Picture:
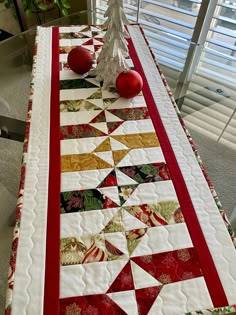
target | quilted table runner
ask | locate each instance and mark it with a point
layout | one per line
(115, 215)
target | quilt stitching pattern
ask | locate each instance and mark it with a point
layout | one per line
(126, 134)
(110, 223)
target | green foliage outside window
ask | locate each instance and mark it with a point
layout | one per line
(31, 6)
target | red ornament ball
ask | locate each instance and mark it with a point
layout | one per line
(129, 83)
(80, 60)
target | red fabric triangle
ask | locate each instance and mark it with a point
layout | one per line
(96, 47)
(172, 266)
(80, 131)
(99, 118)
(109, 203)
(90, 304)
(112, 249)
(99, 39)
(113, 125)
(110, 180)
(124, 280)
(145, 298)
(89, 42)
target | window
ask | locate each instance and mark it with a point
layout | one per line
(219, 53)
(169, 26)
(195, 43)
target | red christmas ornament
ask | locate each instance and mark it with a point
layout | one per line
(129, 83)
(80, 60)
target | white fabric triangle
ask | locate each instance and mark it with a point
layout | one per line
(102, 126)
(69, 74)
(142, 156)
(88, 179)
(78, 118)
(96, 42)
(123, 179)
(120, 103)
(116, 145)
(77, 94)
(100, 277)
(106, 156)
(126, 300)
(72, 29)
(86, 222)
(152, 193)
(142, 279)
(118, 239)
(137, 101)
(97, 53)
(108, 94)
(80, 145)
(100, 35)
(84, 40)
(86, 33)
(175, 293)
(156, 308)
(111, 117)
(112, 193)
(94, 29)
(71, 42)
(89, 47)
(131, 223)
(77, 28)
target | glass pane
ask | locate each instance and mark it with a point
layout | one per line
(177, 15)
(222, 35)
(103, 3)
(229, 13)
(163, 23)
(221, 59)
(131, 2)
(226, 18)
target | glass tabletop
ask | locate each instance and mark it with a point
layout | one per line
(207, 105)
(16, 56)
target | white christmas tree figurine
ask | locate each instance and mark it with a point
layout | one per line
(111, 60)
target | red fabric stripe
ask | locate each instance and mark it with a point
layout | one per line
(208, 267)
(52, 284)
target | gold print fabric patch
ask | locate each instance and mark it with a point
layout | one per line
(82, 162)
(119, 155)
(104, 146)
(134, 141)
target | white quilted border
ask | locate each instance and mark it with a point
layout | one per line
(28, 291)
(212, 225)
